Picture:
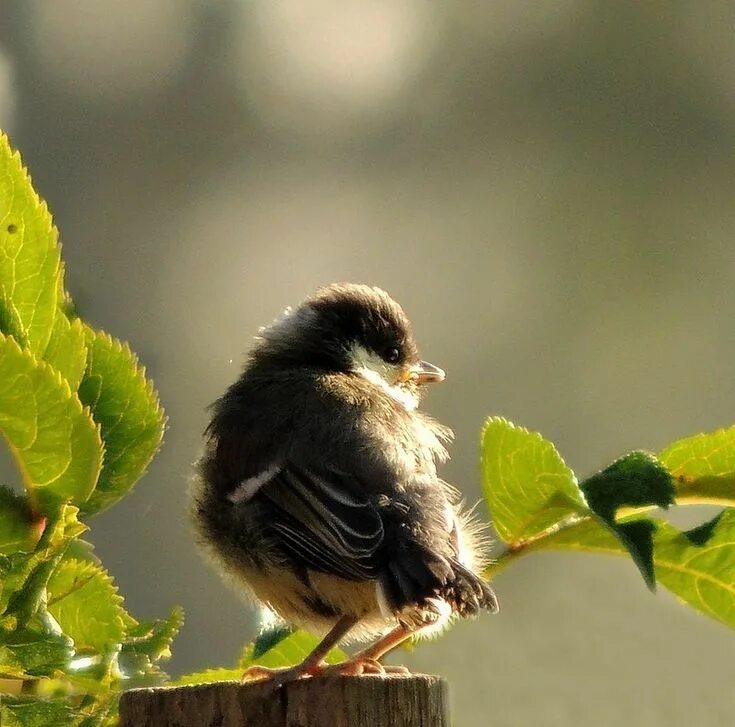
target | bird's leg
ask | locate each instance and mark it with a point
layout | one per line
(367, 661)
(383, 646)
(313, 664)
(386, 643)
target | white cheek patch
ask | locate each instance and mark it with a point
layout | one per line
(247, 488)
(378, 372)
(402, 396)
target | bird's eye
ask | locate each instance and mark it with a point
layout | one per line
(393, 355)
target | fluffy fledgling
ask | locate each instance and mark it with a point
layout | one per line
(318, 489)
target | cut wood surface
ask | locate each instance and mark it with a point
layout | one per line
(415, 700)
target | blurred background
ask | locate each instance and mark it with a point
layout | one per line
(547, 187)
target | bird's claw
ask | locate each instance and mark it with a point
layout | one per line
(397, 669)
(279, 676)
(363, 665)
(259, 673)
(351, 667)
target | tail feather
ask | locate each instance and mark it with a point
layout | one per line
(417, 574)
(471, 593)
(414, 574)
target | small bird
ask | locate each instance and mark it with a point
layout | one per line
(318, 490)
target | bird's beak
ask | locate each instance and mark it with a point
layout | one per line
(425, 373)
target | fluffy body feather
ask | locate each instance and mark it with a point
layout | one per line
(318, 489)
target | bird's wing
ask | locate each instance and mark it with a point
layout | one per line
(325, 520)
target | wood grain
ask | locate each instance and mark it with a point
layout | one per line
(416, 700)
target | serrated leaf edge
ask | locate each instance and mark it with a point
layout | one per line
(490, 421)
(66, 391)
(15, 157)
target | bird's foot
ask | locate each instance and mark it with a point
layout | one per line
(351, 667)
(362, 665)
(280, 675)
(396, 669)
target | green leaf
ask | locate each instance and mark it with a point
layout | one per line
(145, 644)
(24, 576)
(104, 714)
(276, 646)
(269, 638)
(526, 483)
(207, 676)
(636, 480)
(35, 650)
(138, 670)
(699, 565)
(84, 601)
(66, 350)
(10, 323)
(283, 646)
(36, 712)
(82, 550)
(704, 467)
(55, 442)
(125, 405)
(19, 531)
(30, 263)
(588, 534)
(154, 638)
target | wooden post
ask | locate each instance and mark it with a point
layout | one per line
(415, 700)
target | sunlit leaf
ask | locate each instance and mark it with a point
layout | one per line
(82, 550)
(67, 350)
(699, 565)
(54, 440)
(35, 650)
(24, 575)
(526, 484)
(704, 467)
(30, 262)
(63, 629)
(34, 712)
(145, 644)
(275, 646)
(153, 638)
(283, 646)
(24, 711)
(125, 405)
(84, 601)
(208, 676)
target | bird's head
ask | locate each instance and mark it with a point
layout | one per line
(353, 329)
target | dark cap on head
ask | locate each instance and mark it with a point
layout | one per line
(326, 327)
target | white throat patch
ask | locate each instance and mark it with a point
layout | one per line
(378, 372)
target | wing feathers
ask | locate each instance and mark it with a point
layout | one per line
(327, 520)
